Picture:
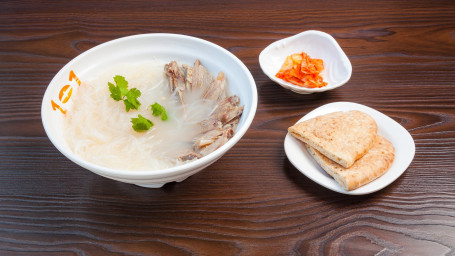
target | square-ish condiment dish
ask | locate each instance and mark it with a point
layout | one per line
(320, 45)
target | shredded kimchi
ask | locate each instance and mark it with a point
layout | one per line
(301, 70)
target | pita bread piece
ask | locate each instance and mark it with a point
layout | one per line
(368, 168)
(343, 137)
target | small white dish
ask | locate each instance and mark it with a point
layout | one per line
(337, 67)
(387, 127)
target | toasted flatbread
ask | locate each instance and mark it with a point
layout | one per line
(343, 137)
(371, 166)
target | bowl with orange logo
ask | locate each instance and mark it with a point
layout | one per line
(59, 100)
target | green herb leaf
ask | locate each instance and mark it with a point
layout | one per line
(141, 123)
(164, 116)
(159, 110)
(121, 83)
(115, 92)
(120, 91)
(131, 97)
(128, 105)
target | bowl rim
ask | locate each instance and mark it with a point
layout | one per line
(176, 170)
(296, 88)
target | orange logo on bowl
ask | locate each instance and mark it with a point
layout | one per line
(65, 93)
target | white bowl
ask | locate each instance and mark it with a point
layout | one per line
(184, 49)
(317, 44)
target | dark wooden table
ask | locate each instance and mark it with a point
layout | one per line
(252, 201)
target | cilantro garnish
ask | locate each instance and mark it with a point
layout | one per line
(120, 91)
(159, 110)
(141, 123)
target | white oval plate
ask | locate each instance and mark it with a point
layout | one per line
(320, 45)
(387, 127)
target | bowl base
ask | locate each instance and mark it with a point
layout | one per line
(157, 185)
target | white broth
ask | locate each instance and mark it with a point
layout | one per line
(99, 129)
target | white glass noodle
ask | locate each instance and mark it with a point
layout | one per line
(99, 129)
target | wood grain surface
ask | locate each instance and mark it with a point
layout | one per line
(252, 201)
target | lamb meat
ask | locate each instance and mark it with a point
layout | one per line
(228, 110)
(189, 156)
(219, 127)
(176, 79)
(201, 78)
(217, 89)
(209, 124)
(212, 141)
(188, 72)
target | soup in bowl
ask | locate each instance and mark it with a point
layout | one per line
(149, 109)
